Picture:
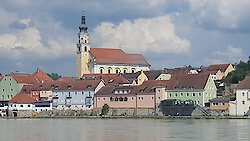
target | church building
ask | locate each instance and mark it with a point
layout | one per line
(105, 60)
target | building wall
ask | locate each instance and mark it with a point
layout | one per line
(101, 100)
(232, 108)
(9, 88)
(120, 67)
(141, 78)
(242, 101)
(229, 69)
(219, 105)
(164, 77)
(77, 97)
(20, 106)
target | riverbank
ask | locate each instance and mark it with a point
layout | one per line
(134, 117)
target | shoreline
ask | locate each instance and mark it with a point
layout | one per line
(131, 117)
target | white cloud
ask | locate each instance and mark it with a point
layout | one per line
(229, 55)
(156, 35)
(27, 44)
(229, 14)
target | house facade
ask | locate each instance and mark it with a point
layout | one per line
(199, 88)
(145, 96)
(243, 97)
(104, 60)
(75, 95)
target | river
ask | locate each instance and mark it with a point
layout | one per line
(124, 130)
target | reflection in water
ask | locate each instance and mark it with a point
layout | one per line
(123, 130)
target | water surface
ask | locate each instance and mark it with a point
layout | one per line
(124, 130)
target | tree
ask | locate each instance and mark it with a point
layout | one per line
(241, 70)
(54, 76)
(105, 109)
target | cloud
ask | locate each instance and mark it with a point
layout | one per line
(229, 55)
(155, 35)
(26, 44)
(228, 14)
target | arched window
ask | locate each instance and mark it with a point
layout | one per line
(117, 70)
(133, 70)
(85, 41)
(101, 70)
(124, 71)
(109, 70)
(85, 48)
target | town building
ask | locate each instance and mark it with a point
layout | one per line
(199, 88)
(109, 79)
(76, 94)
(104, 60)
(243, 97)
(145, 96)
(218, 71)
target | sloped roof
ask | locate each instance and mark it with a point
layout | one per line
(117, 56)
(182, 70)
(23, 78)
(109, 79)
(1, 77)
(66, 79)
(188, 81)
(66, 85)
(244, 84)
(42, 76)
(22, 98)
(145, 88)
(221, 67)
(221, 99)
(153, 74)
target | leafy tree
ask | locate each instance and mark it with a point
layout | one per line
(241, 70)
(105, 109)
(54, 76)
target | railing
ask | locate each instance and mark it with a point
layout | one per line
(203, 110)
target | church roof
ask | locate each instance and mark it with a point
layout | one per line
(117, 56)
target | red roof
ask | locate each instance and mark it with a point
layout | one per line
(42, 76)
(221, 67)
(22, 98)
(117, 56)
(1, 77)
(23, 78)
(66, 79)
(66, 85)
(244, 84)
(109, 79)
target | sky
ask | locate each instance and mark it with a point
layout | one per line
(169, 33)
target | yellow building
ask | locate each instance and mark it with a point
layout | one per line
(105, 60)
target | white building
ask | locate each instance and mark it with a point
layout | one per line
(105, 60)
(243, 97)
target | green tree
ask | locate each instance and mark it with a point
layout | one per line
(241, 70)
(54, 76)
(105, 109)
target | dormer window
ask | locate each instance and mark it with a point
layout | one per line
(89, 86)
(69, 86)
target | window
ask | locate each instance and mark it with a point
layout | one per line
(11, 89)
(116, 71)
(199, 94)
(193, 94)
(85, 48)
(176, 94)
(109, 71)
(21, 105)
(28, 105)
(132, 98)
(243, 102)
(181, 94)
(187, 94)
(104, 99)
(223, 104)
(125, 99)
(101, 71)
(152, 98)
(98, 99)
(133, 70)
(215, 104)
(170, 95)
(159, 98)
(3, 90)
(124, 71)
(243, 94)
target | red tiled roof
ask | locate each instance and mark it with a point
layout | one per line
(23, 78)
(42, 76)
(153, 74)
(188, 81)
(221, 67)
(1, 77)
(109, 79)
(22, 98)
(66, 79)
(117, 56)
(244, 84)
(66, 85)
(183, 70)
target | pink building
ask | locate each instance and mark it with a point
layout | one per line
(145, 96)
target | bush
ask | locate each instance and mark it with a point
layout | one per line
(105, 109)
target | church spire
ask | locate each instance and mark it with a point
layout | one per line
(83, 27)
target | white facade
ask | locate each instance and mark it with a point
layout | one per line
(242, 101)
(20, 106)
(118, 68)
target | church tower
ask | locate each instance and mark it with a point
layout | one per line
(83, 49)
